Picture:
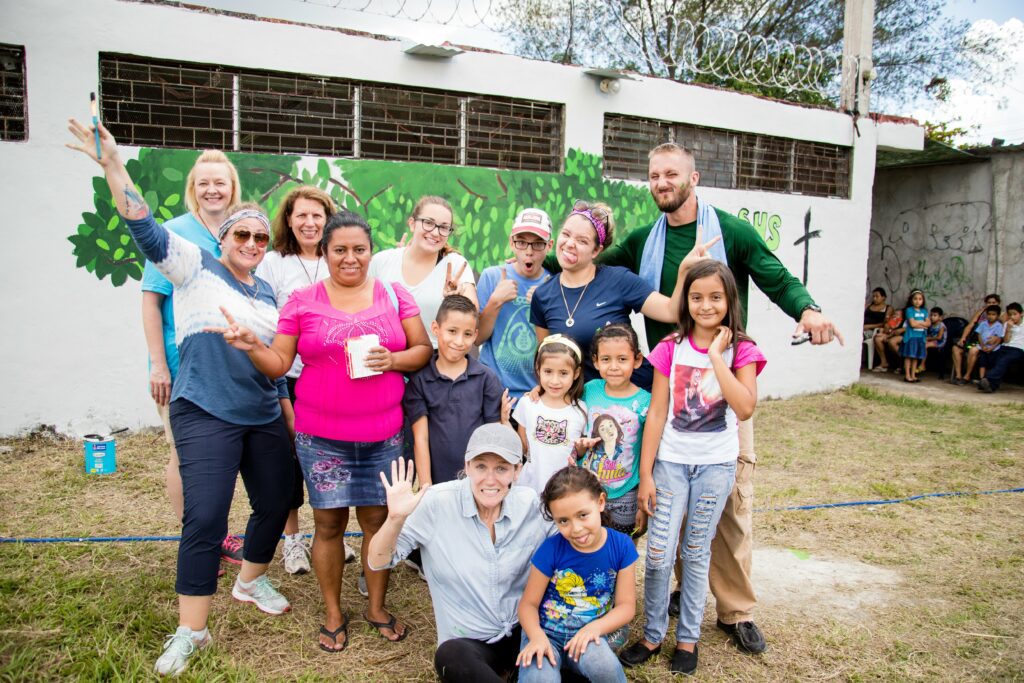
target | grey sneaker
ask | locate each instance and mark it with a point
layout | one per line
(295, 556)
(262, 594)
(617, 638)
(362, 586)
(178, 647)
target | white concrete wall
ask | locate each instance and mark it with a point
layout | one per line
(74, 353)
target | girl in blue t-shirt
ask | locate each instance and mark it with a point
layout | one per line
(913, 347)
(616, 412)
(581, 588)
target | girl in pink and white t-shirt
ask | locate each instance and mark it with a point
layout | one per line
(705, 380)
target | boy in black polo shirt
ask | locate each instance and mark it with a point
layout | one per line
(450, 397)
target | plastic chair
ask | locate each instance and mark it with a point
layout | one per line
(954, 328)
(869, 343)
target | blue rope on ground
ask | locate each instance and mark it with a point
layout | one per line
(350, 534)
(890, 501)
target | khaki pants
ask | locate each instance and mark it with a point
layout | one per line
(732, 548)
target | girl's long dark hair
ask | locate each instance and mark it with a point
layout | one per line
(575, 391)
(567, 481)
(910, 300)
(734, 315)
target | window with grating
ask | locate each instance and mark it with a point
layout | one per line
(13, 93)
(730, 159)
(508, 133)
(177, 104)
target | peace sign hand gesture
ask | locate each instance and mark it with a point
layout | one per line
(236, 336)
(451, 284)
(701, 251)
(401, 499)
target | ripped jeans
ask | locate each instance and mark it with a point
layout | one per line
(699, 493)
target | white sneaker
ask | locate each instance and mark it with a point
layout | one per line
(350, 555)
(295, 555)
(362, 586)
(262, 594)
(178, 647)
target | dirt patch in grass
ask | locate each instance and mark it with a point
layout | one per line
(929, 590)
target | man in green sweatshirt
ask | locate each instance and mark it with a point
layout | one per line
(673, 177)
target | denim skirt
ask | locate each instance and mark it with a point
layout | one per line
(342, 474)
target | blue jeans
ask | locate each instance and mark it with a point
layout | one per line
(1004, 358)
(598, 664)
(698, 493)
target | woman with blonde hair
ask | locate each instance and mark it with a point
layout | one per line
(212, 186)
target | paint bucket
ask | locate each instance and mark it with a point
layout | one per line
(101, 453)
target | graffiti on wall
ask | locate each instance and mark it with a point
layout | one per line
(941, 249)
(485, 201)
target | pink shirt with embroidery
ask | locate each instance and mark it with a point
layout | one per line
(328, 403)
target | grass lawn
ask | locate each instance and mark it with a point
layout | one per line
(932, 589)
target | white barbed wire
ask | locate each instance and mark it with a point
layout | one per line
(474, 14)
(693, 49)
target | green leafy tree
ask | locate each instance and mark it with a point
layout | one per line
(913, 43)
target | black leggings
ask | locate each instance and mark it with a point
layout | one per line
(465, 660)
(211, 454)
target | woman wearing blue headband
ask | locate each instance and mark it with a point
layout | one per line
(225, 414)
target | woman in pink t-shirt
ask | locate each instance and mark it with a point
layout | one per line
(347, 430)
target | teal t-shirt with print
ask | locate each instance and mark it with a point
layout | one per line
(619, 423)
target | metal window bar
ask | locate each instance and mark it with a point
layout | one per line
(13, 94)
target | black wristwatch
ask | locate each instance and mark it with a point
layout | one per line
(811, 307)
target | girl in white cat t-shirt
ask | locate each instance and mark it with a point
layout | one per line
(550, 425)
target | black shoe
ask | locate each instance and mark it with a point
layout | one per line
(637, 653)
(684, 662)
(985, 386)
(673, 604)
(746, 635)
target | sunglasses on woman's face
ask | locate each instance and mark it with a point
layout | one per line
(261, 239)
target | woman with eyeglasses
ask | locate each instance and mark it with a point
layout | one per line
(428, 267)
(226, 415)
(585, 296)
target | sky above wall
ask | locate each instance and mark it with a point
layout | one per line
(996, 114)
(987, 115)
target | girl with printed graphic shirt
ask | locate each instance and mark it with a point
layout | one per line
(688, 458)
(915, 322)
(550, 426)
(616, 412)
(581, 589)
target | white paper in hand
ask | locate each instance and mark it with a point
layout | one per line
(356, 349)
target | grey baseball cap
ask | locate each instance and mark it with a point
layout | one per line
(495, 438)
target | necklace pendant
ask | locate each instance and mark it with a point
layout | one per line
(569, 322)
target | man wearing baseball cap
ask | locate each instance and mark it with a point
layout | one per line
(507, 340)
(476, 535)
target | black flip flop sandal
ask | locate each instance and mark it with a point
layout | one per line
(389, 624)
(333, 635)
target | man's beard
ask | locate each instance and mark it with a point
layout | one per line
(674, 201)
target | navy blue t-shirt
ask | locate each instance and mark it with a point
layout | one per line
(611, 296)
(582, 585)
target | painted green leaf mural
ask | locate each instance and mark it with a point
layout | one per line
(485, 200)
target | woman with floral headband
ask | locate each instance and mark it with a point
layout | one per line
(585, 297)
(226, 415)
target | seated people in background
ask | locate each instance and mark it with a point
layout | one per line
(892, 334)
(990, 338)
(876, 312)
(507, 340)
(451, 396)
(936, 334)
(1011, 352)
(967, 342)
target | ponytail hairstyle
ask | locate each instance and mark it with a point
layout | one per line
(555, 345)
(570, 480)
(733, 317)
(428, 200)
